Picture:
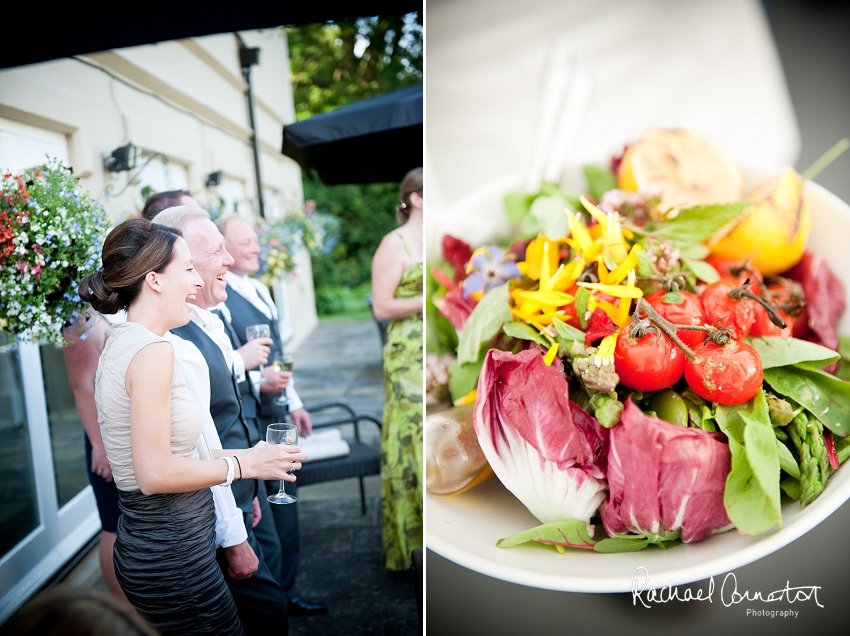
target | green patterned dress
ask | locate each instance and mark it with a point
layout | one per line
(401, 443)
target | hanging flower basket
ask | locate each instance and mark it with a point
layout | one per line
(281, 239)
(51, 235)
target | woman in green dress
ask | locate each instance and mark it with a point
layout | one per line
(397, 297)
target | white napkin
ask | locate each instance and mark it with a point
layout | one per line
(324, 444)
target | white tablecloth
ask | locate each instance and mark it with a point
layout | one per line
(710, 65)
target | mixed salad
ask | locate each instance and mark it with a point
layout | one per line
(646, 362)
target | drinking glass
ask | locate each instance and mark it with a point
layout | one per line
(252, 332)
(280, 433)
(282, 362)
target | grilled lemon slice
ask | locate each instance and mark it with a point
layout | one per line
(687, 168)
(774, 230)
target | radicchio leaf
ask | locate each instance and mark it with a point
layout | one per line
(664, 478)
(825, 302)
(457, 253)
(457, 308)
(546, 450)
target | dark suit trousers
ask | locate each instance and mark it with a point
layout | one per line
(286, 525)
(260, 601)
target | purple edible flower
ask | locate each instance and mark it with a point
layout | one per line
(489, 267)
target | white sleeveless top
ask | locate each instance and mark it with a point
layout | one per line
(113, 403)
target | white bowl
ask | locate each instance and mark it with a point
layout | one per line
(464, 528)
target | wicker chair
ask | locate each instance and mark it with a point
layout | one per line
(363, 459)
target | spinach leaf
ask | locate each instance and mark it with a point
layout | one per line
(567, 334)
(776, 351)
(645, 267)
(826, 397)
(484, 323)
(635, 542)
(702, 270)
(517, 205)
(441, 334)
(582, 298)
(569, 533)
(551, 217)
(697, 251)
(843, 371)
(791, 487)
(752, 497)
(464, 377)
(599, 180)
(787, 461)
(572, 199)
(617, 544)
(696, 224)
(522, 331)
(700, 413)
(673, 298)
(842, 449)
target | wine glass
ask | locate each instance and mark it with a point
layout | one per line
(252, 332)
(280, 433)
(282, 362)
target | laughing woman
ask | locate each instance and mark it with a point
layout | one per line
(164, 552)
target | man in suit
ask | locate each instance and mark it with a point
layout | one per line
(159, 201)
(248, 303)
(259, 598)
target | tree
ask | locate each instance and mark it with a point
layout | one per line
(335, 64)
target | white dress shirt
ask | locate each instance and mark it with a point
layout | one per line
(258, 295)
(214, 328)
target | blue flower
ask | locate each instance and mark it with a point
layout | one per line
(489, 267)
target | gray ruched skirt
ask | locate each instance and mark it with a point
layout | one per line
(165, 561)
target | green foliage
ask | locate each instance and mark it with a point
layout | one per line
(337, 64)
(365, 214)
(342, 300)
(334, 65)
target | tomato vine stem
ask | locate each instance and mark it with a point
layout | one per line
(719, 336)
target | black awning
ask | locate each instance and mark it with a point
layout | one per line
(74, 28)
(371, 141)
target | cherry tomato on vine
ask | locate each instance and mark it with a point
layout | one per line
(724, 267)
(801, 328)
(721, 311)
(649, 363)
(686, 312)
(728, 375)
(763, 326)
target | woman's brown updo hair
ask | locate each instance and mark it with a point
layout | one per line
(131, 250)
(411, 183)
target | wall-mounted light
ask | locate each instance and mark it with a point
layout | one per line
(213, 178)
(249, 56)
(121, 159)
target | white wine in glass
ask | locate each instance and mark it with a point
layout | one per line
(252, 332)
(280, 433)
(282, 362)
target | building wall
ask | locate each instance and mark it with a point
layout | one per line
(185, 100)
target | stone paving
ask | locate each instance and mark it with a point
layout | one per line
(340, 548)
